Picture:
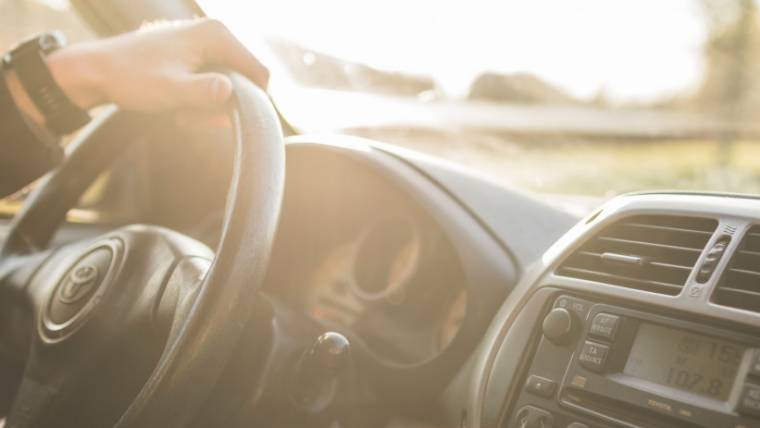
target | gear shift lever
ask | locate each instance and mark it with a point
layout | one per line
(313, 381)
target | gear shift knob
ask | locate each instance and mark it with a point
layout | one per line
(319, 365)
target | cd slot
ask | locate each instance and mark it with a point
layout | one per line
(619, 412)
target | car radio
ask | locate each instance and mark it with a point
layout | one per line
(599, 365)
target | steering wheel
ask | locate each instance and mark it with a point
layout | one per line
(134, 328)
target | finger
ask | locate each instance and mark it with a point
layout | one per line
(204, 90)
(226, 50)
(197, 119)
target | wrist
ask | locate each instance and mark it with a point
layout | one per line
(78, 72)
(21, 98)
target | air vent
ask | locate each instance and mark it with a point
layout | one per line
(648, 252)
(740, 285)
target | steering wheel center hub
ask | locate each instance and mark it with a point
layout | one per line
(80, 290)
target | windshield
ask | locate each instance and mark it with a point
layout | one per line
(586, 97)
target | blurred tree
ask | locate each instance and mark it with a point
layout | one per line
(731, 86)
(523, 88)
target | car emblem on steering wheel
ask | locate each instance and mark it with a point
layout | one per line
(80, 290)
(79, 283)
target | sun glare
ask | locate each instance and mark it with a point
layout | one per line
(629, 50)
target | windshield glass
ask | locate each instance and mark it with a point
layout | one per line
(586, 97)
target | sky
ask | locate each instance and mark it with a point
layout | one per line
(634, 51)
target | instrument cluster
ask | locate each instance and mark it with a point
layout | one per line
(394, 285)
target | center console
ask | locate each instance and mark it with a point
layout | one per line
(599, 364)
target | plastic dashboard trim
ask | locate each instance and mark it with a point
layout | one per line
(738, 213)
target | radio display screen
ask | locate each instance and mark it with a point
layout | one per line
(686, 361)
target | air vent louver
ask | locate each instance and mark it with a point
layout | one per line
(740, 285)
(648, 252)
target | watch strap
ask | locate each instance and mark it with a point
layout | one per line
(28, 60)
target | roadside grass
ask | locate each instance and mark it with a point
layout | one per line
(572, 165)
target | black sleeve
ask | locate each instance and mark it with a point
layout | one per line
(27, 150)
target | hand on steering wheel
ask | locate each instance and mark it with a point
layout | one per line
(153, 69)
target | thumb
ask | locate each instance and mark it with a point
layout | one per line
(205, 90)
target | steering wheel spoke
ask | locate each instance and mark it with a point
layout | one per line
(32, 400)
(179, 294)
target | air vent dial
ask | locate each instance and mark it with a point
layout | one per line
(740, 285)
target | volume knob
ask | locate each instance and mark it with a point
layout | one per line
(558, 326)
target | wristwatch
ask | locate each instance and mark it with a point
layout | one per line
(28, 60)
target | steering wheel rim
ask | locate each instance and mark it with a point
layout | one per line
(209, 315)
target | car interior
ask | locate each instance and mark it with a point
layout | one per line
(253, 276)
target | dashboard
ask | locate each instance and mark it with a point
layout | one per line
(646, 313)
(471, 303)
(623, 319)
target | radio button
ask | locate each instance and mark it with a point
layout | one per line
(540, 386)
(558, 326)
(749, 403)
(604, 326)
(593, 356)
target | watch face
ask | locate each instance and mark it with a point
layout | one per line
(46, 42)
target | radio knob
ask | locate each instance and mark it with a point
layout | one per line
(558, 326)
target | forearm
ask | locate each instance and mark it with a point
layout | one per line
(27, 150)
